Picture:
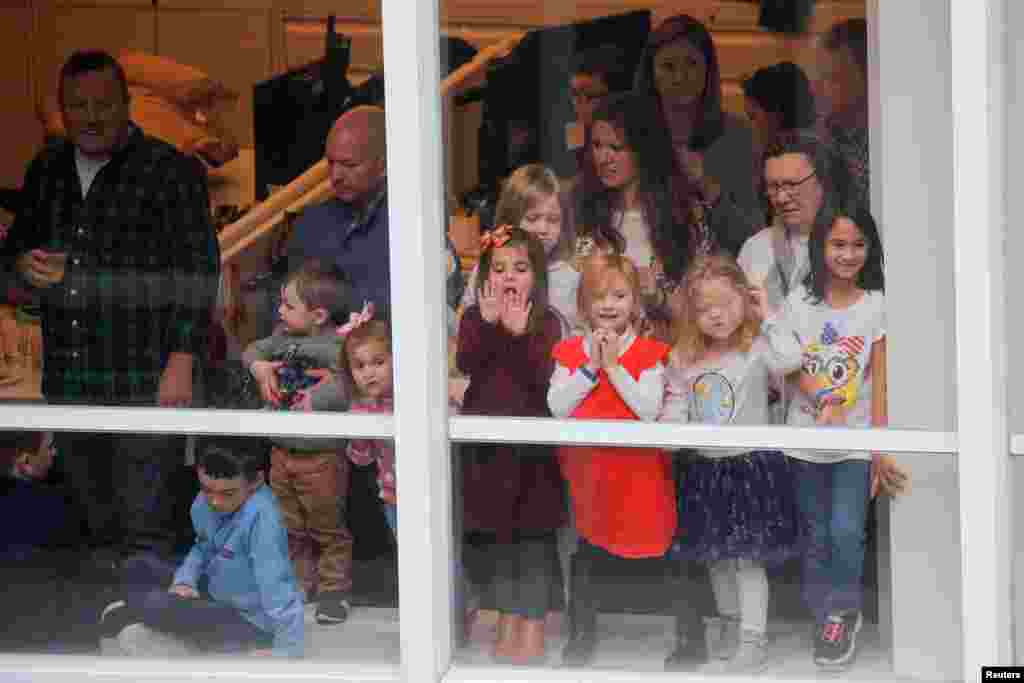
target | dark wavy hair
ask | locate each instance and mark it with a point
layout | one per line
(710, 120)
(783, 89)
(227, 457)
(538, 261)
(871, 277)
(666, 195)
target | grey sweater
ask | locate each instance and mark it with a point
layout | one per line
(322, 351)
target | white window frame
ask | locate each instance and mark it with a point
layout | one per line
(422, 431)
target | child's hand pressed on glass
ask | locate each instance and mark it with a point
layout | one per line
(887, 477)
(515, 313)
(490, 302)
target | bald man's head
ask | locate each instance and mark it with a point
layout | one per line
(356, 153)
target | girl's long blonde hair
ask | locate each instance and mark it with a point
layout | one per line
(527, 186)
(689, 342)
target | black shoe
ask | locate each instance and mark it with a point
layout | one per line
(836, 643)
(332, 610)
(582, 616)
(691, 650)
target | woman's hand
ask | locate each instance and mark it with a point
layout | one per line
(490, 303)
(515, 314)
(265, 372)
(887, 477)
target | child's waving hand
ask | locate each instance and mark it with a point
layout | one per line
(515, 314)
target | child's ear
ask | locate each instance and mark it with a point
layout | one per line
(321, 316)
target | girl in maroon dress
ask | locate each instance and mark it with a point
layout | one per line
(512, 494)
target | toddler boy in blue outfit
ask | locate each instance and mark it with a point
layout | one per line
(236, 590)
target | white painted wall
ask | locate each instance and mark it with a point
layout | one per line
(912, 185)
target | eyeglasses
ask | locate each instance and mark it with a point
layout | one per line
(787, 186)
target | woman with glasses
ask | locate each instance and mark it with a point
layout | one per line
(680, 68)
(802, 177)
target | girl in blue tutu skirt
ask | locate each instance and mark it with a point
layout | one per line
(737, 508)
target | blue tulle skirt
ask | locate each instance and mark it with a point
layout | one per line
(743, 506)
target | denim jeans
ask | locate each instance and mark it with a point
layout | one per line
(834, 497)
(391, 515)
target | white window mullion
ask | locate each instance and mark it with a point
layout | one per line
(412, 78)
(978, 56)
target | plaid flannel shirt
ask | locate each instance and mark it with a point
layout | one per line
(142, 269)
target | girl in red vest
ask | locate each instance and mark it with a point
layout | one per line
(513, 502)
(623, 498)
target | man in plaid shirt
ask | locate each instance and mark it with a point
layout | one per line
(114, 233)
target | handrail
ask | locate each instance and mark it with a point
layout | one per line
(313, 185)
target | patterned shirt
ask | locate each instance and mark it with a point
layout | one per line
(141, 274)
(381, 451)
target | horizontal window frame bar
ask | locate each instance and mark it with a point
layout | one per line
(664, 435)
(1017, 444)
(144, 420)
(248, 669)
(193, 421)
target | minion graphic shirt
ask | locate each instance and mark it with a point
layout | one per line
(836, 352)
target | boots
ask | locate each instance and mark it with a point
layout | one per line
(532, 647)
(579, 650)
(691, 648)
(509, 642)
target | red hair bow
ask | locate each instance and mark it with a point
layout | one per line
(498, 237)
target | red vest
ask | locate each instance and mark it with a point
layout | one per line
(624, 498)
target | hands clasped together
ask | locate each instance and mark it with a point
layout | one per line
(510, 309)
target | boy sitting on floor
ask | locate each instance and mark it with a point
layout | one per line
(236, 590)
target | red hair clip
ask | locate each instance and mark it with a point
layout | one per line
(498, 237)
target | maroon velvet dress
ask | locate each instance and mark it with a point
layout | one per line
(509, 489)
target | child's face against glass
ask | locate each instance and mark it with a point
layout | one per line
(846, 251)
(512, 272)
(613, 158)
(226, 495)
(297, 317)
(543, 220)
(371, 369)
(613, 308)
(719, 308)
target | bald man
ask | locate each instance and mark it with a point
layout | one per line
(351, 229)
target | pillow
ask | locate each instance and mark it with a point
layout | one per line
(188, 87)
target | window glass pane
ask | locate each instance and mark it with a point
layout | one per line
(773, 138)
(647, 560)
(188, 557)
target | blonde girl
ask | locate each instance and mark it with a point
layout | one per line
(738, 506)
(532, 199)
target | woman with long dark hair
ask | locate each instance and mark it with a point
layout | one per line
(635, 199)
(680, 69)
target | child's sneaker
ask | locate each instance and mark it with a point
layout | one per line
(332, 609)
(836, 643)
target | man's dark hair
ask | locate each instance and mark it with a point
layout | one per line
(783, 89)
(227, 457)
(607, 62)
(853, 35)
(85, 61)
